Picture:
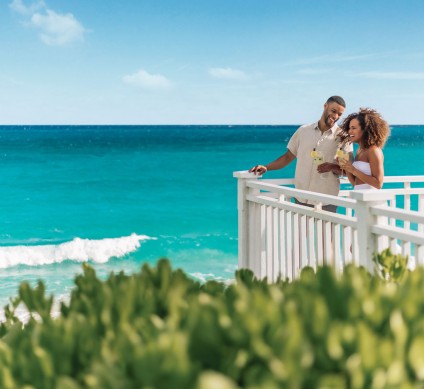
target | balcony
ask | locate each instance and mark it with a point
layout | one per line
(277, 237)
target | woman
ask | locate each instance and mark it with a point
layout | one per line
(370, 131)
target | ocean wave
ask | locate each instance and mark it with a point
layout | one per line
(24, 315)
(205, 277)
(78, 249)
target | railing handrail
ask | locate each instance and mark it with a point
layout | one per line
(333, 217)
(304, 194)
(387, 179)
(273, 229)
(406, 215)
(399, 233)
(277, 186)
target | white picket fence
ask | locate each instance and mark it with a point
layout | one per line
(278, 237)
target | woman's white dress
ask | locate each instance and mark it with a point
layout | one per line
(365, 168)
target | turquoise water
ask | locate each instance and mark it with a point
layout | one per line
(120, 196)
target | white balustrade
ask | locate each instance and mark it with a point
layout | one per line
(277, 237)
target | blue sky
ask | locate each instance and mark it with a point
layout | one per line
(208, 62)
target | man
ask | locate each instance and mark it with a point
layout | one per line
(312, 140)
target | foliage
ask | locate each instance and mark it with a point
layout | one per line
(390, 267)
(160, 329)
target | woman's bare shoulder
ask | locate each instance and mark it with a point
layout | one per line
(374, 152)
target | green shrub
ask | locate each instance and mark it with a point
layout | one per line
(389, 266)
(160, 329)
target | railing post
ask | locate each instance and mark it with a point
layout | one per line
(367, 242)
(243, 218)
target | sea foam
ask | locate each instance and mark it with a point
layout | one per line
(78, 249)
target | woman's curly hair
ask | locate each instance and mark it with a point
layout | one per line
(375, 129)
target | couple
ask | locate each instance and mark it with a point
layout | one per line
(324, 139)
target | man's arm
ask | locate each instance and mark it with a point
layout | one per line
(279, 163)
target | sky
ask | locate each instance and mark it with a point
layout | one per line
(208, 61)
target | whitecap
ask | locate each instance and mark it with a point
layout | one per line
(78, 249)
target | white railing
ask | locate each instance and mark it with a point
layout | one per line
(278, 237)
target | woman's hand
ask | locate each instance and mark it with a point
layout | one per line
(347, 166)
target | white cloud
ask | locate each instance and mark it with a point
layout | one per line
(19, 7)
(228, 74)
(145, 80)
(393, 75)
(54, 29)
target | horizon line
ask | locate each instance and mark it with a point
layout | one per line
(175, 124)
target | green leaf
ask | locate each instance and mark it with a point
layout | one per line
(416, 356)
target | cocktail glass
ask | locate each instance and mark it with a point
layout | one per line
(342, 157)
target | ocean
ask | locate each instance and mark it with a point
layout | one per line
(122, 196)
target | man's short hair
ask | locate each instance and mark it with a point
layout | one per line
(337, 99)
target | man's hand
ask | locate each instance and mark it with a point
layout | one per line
(328, 167)
(258, 169)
